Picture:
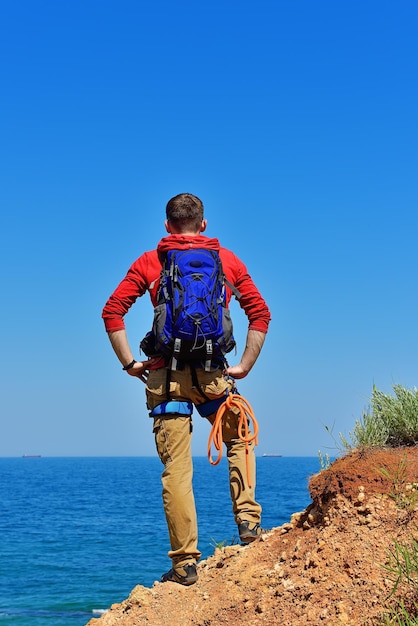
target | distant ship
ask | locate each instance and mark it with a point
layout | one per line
(267, 454)
(31, 456)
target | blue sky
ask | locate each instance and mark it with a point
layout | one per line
(295, 122)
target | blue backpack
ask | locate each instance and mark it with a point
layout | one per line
(191, 321)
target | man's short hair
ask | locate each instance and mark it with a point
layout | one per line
(185, 212)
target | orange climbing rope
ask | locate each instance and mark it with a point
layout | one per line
(246, 416)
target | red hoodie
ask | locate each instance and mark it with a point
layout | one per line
(144, 275)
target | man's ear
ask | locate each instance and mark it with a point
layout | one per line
(167, 226)
(203, 226)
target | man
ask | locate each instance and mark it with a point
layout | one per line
(191, 383)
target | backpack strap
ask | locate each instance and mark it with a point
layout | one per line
(167, 384)
(232, 287)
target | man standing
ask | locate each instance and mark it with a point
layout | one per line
(171, 393)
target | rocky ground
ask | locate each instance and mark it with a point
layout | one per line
(326, 566)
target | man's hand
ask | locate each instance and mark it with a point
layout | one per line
(141, 369)
(236, 371)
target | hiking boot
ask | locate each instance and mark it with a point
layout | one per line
(249, 531)
(184, 575)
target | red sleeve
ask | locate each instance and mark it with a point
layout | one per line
(251, 300)
(142, 276)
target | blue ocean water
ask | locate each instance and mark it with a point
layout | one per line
(77, 534)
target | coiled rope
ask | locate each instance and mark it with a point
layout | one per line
(246, 417)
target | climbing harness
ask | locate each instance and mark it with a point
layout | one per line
(232, 399)
(172, 407)
(246, 415)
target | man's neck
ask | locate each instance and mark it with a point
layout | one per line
(186, 234)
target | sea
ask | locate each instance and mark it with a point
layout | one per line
(78, 534)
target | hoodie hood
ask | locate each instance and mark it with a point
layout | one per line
(185, 242)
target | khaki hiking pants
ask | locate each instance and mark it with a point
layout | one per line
(173, 441)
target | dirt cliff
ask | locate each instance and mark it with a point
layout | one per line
(325, 566)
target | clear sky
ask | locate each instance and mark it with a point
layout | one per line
(295, 122)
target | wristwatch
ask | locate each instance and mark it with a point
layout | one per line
(129, 366)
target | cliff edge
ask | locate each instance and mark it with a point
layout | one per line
(326, 566)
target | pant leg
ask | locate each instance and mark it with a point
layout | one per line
(173, 442)
(244, 505)
(173, 439)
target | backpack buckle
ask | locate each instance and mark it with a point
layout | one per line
(176, 352)
(209, 355)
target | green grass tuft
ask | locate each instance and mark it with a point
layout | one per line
(389, 421)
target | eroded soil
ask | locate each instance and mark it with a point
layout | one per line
(327, 565)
